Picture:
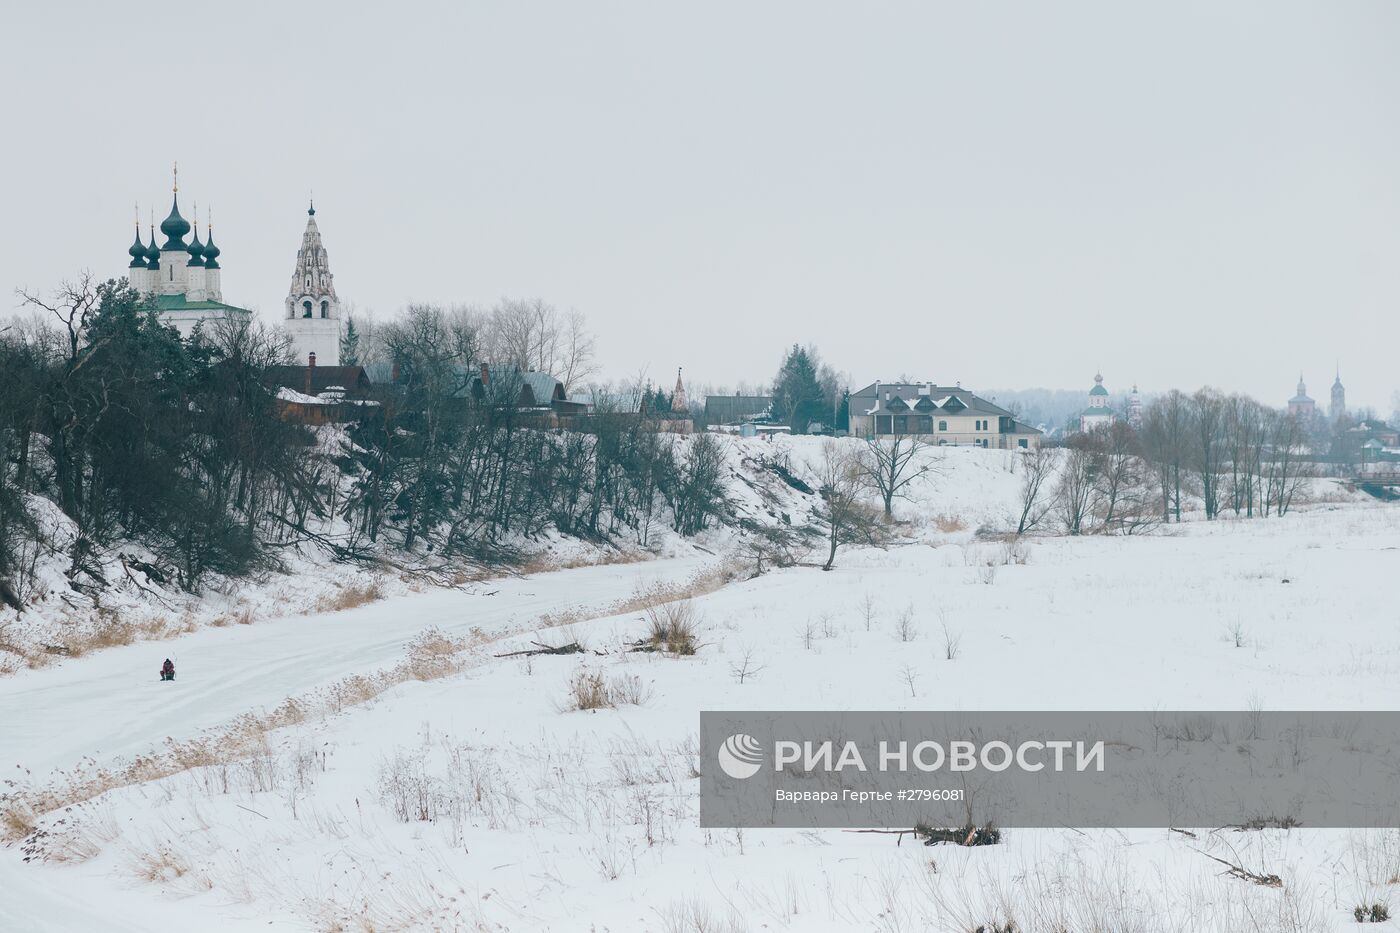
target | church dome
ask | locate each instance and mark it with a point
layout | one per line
(153, 252)
(137, 252)
(196, 250)
(174, 227)
(211, 252)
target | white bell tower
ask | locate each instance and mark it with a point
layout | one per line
(313, 310)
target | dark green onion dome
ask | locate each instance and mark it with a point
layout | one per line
(174, 227)
(211, 252)
(196, 250)
(137, 252)
(153, 251)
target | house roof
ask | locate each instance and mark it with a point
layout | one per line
(537, 389)
(731, 409)
(349, 378)
(866, 401)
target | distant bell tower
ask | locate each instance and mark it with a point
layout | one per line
(1338, 408)
(679, 403)
(313, 310)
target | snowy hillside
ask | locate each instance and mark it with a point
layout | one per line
(404, 765)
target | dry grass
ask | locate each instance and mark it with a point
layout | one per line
(948, 523)
(17, 819)
(544, 563)
(158, 865)
(590, 690)
(672, 627)
(352, 596)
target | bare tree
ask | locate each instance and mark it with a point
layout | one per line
(889, 466)
(576, 363)
(1037, 466)
(73, 304)
(533, 335)
(840, 482)
(1208, 448)
(1076, 492)
(1285, 469)
(1166, 424)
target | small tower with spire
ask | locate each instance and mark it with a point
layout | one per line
(1338, 409)
(313, 310)
(679, 403)
(1135, 408)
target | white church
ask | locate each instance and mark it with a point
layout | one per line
(185, 279)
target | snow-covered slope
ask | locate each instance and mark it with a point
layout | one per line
(542, 818)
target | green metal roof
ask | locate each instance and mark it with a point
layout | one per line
(1098, 390)
(178, 303)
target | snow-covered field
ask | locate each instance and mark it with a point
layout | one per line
(478, 800)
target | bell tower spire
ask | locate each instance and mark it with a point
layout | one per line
(312, 306)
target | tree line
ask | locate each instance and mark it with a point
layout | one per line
(1229, 452)
(174, 456)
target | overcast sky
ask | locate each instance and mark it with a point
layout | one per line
(1007, 194)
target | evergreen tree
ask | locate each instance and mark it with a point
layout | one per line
(843, 413)
(350, 344)
(797, 393)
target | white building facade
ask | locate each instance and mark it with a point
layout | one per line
(312, 308)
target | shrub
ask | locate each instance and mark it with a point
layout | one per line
(672, 627)
(591, 690)
(1375, 913)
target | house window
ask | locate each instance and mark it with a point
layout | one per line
(1022, 444)
(882, 424)
(306, 309)
(942, 425)
(901, 424)
(925, 425)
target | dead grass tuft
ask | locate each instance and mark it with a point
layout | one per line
(948, 523)
(590, 690)
(672, 627)
(352, 596)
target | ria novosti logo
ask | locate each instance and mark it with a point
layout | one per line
(740, 756)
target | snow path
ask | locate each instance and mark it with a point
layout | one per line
(110, 704)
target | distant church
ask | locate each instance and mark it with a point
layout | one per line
(185, 278)
(1301, 405)
(313, 310)
(1304, 408)
(1097, 414)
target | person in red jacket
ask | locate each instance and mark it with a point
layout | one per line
(167, 670)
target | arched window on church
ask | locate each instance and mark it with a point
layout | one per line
(308, 281)
(325, 309)
(306, 309)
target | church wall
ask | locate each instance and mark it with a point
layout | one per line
(315, 335)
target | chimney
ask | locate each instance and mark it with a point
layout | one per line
(485, 375)
(311, 359)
